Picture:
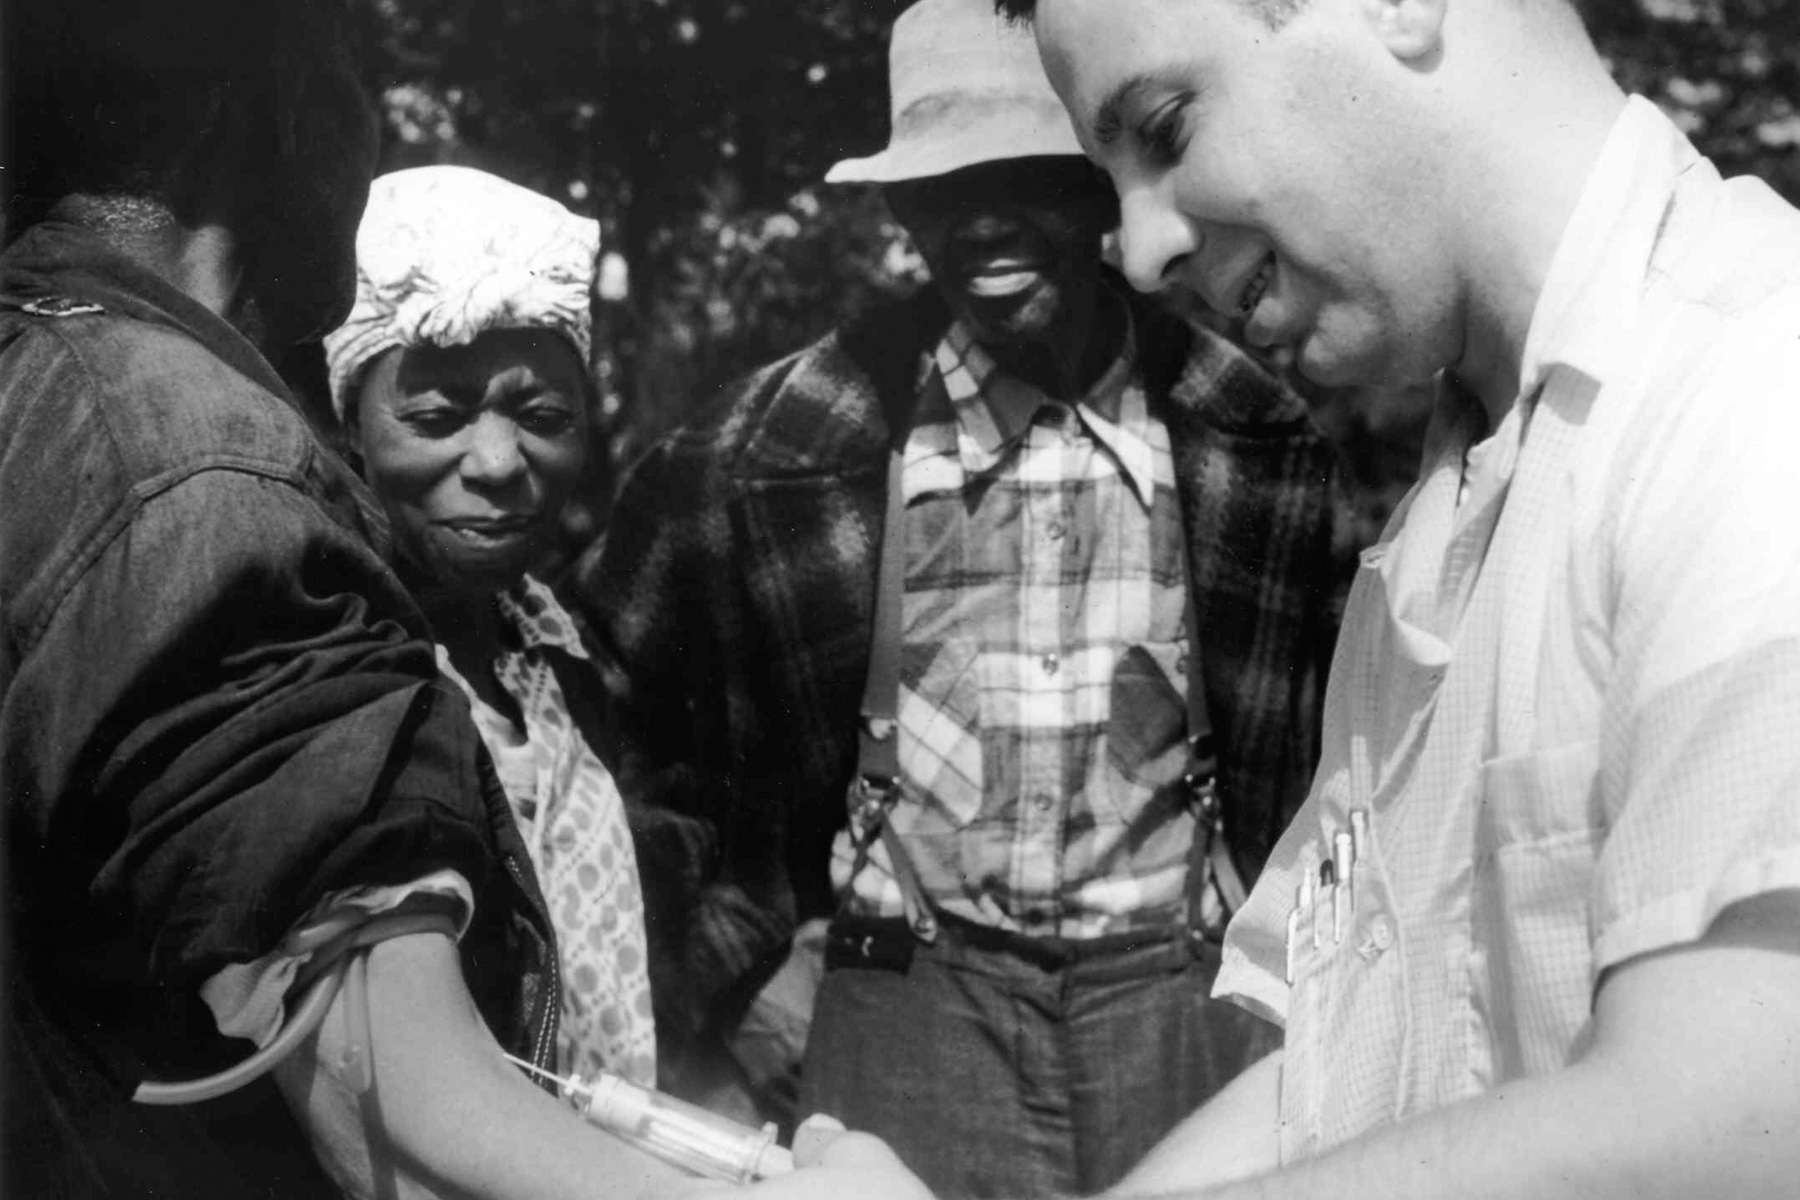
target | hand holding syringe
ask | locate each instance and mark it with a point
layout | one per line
(675, 1131)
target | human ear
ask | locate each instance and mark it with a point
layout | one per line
(1410, 29)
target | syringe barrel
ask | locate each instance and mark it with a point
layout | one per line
(680, 1133)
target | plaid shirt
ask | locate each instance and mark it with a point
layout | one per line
(734, 592)
(1042, 694)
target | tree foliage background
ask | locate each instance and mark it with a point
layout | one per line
(697, 131)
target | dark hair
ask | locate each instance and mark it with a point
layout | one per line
(133, 99)
(1274, 13)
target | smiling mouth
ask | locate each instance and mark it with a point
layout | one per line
(489, 531)
(1256, 286)
(1001, 277)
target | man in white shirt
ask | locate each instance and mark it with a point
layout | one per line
(1536, 932)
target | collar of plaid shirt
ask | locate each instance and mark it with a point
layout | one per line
(994, 408)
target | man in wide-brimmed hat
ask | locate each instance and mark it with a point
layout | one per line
(1072, 561)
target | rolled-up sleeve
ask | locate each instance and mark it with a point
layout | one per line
(223, 710)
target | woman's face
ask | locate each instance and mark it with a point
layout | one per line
(473, 451)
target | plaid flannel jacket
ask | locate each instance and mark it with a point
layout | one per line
(735, 588)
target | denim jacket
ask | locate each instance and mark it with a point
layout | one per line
(217, 703)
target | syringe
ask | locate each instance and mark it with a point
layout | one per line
(675, 1131)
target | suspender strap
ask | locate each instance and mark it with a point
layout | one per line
(877, 743)
(1209, 861)
(876, 787)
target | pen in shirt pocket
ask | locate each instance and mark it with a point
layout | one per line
(1331, 897)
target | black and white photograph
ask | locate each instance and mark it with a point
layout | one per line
(900, 599)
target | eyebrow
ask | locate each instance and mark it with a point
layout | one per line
(1109, 118)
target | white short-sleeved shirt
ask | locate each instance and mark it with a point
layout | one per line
(1567, 690)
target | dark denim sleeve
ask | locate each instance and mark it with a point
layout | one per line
(228, 711)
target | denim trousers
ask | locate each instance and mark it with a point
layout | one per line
(1002, 1066)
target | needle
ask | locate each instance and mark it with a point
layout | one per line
(535, 1069)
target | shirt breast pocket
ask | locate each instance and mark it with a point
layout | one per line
(941, 756)
(1349, 1028)
(1539, 829)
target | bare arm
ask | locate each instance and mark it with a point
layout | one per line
(1233, 1137)
(1691, 1087)
(447, 1115)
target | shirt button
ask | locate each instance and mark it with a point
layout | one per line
(1057, 530)
(1042, 802)
(1050, 663)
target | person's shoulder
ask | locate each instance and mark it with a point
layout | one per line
(1746, 365)
(166, 405)
(1206, 373)
(1709, 416)
(1730, 247)
(1720, 327)
(824, 407)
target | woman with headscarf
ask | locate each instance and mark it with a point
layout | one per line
(461, 382)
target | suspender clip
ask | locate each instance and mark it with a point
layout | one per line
(1203, 795)
(1201, 779)
(871, 796)
(1211, 862)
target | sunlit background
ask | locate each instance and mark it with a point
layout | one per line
(696, 131)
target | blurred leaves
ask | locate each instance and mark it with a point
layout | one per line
(697, 131)
(1726, 71)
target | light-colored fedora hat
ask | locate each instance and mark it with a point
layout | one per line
(967, 88)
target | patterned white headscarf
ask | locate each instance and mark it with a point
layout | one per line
(446, 253)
